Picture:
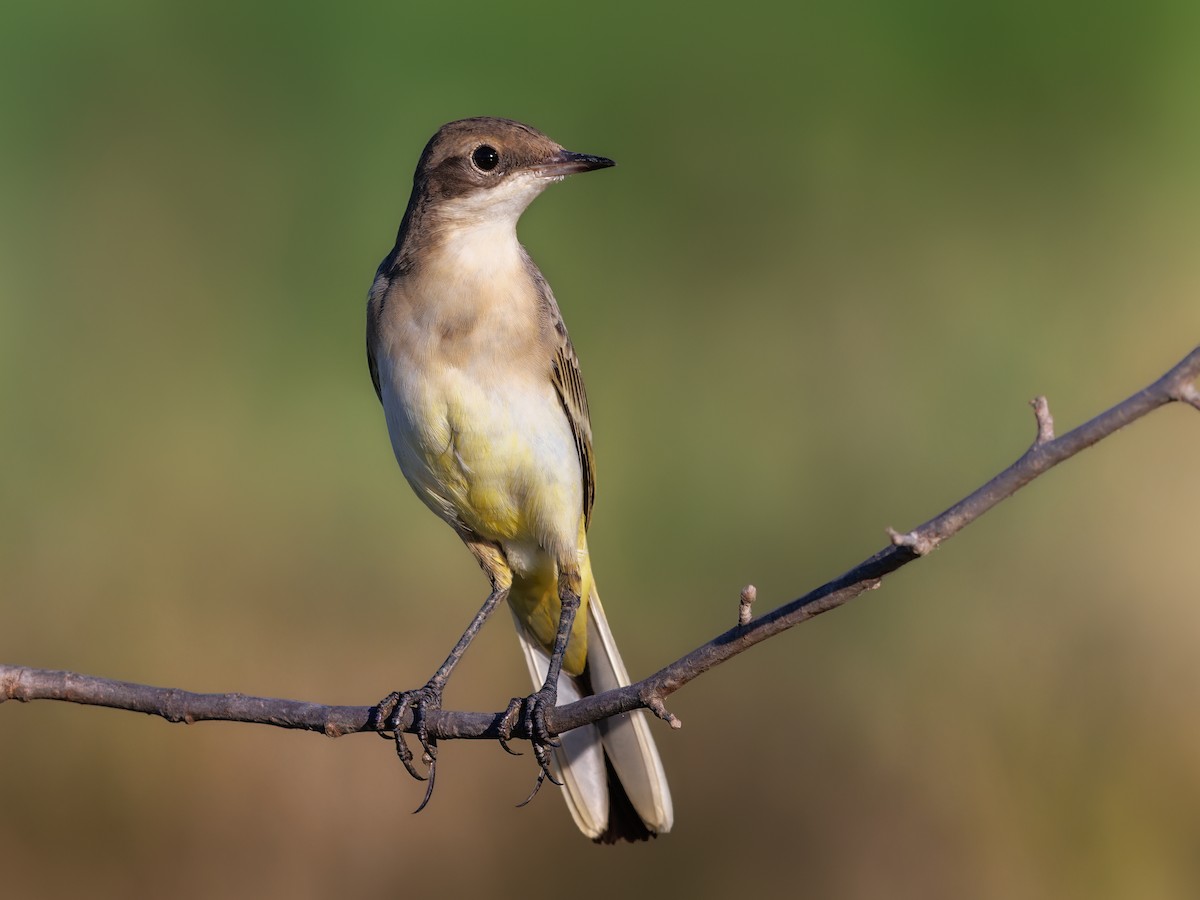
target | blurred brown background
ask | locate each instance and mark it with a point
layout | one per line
(842, 249)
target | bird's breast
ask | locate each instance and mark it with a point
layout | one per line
(474, 419)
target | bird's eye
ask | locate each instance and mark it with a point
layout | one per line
(485, 158)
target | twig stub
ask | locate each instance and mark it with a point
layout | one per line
(919, 543)
(1189, 394)
(656, 706)
(1045, 421)
(749, 595)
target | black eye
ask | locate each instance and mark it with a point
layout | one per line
(485, 157)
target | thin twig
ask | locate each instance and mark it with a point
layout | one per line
(25, 684)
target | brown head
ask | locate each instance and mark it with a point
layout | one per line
(485, 170)
(482, 154)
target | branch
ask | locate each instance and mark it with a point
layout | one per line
(1177, 385)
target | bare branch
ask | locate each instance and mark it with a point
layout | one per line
(1178, 384)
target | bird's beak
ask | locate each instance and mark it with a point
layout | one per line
(567, 163)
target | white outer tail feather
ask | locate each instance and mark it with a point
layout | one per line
(626, 738)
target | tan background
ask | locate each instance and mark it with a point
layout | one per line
(841, 251)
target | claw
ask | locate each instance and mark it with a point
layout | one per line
(537, 786)
(542, 755)
(386, 716)
(389, 714)
(543, 759)
(531, 712)
(406, 757)
(381, 714)
(429, 786)
(390, 711)
(507, 722)
(421, 723)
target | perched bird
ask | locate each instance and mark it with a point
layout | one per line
(488, 418)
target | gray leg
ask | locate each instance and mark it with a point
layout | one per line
(531, 711)
(390, 711)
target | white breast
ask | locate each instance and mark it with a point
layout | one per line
(476, 424)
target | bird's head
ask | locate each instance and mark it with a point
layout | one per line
(493, 168)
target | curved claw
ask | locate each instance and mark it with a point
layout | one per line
(386, 716)
(537, 786)
(507, 722)
(429, 787)
(531, 711)
(381, 715)
(421, 723)
(543, 760)
(389, 714)
(537, 721)
(406, 757)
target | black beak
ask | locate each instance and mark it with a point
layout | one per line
(568, 163)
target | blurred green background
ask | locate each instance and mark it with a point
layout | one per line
(844, 245)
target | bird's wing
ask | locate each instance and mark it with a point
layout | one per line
(375, 302)
(568, 383)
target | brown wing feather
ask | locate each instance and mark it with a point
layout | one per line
(568, 382)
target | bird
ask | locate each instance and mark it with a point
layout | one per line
(488, 419)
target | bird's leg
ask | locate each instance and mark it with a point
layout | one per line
(389, 714)
(531, 711)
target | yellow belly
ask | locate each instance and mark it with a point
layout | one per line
(505, 465)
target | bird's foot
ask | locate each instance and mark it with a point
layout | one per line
(530, 713)
(388, 717)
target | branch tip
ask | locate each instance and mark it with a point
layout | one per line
(1045, 421)
(657, 707)
(749, 595)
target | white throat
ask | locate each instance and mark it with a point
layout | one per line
(479, 230)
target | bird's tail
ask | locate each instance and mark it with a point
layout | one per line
(613, 779)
